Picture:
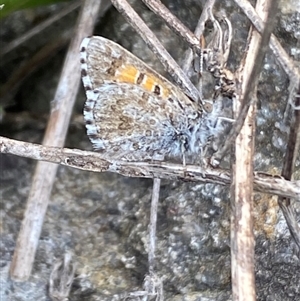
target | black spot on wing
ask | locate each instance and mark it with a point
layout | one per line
(157, 90)
(140, 78)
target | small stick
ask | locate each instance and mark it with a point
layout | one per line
(61, 278)
(22, 72)
(219, 155)
(287, 172)
(157, 48)
(192, 39)
(40, 27)
(206, 12)
(174, 23)
(94, 161)
(152, 225)
(189, 55)
(285, 61)
(45, 173)
(153, 284)
(242, 236)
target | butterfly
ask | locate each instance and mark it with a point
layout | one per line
(132, 112)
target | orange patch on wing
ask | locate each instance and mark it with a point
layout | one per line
(127, 74)
(150, 83)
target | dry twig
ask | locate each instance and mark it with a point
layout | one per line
(207, 9)
(292, 152)
(40, 27)
(61, 278)
(92, 161)
(174, 23)
(152, 224)
(242, 236)
(22, 72)
(41, 187)
(157, 48)
(293, 144)
(285, 61)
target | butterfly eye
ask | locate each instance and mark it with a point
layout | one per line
(208, 106)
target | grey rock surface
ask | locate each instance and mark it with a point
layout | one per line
(102, 219)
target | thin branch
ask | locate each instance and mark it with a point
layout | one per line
(153, 284)
(157, 48)
(287, 172)
(45, 173)
(285, 61)
(42, 55)
(198, 32)
(293, 144)
(173, 22)
(152, 225)
(40, 27)
(61, 278)
(92, 161)
(242, 236)
(219, 155)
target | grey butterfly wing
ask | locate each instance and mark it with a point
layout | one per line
(131, 111)
(127, 122)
